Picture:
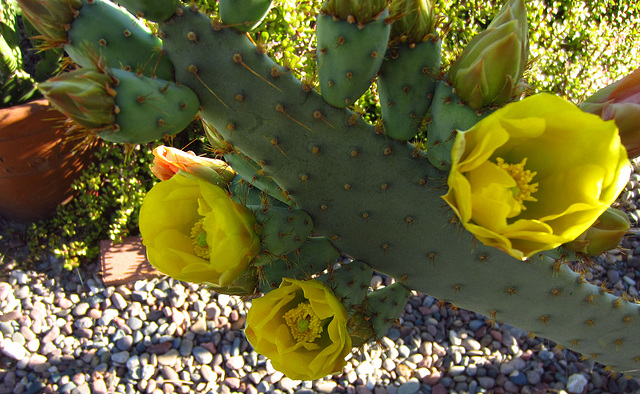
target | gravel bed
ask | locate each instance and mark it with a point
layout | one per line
(65, 332)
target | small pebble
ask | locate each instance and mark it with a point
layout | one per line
(118, 301)
(202, 355)
(13, 350)
(576, 383)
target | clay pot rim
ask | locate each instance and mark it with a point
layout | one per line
(5, 116)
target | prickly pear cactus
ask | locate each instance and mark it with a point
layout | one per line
(320, 181)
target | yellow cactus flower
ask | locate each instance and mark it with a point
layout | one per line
(195, 232)
(302, 327)
(535, 174)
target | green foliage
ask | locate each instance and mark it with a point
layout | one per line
(576, 46)
(21, 68)
(570, 40)
(16, 85)
(288, 32)
(110, 194)
(582, 46)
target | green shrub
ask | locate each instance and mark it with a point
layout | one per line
(109, 195)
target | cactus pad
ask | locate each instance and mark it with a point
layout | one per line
(349, 57)
(406, 84)
(395, 220)
(147, 109)
(102, 31)
(243, 15)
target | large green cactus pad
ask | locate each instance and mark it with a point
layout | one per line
(379, 200)
(153, 10)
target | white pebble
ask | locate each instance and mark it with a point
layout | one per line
(118, 301)
(576, 383)
(12, 349)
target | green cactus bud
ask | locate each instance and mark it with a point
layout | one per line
(316, 253)
(148, 109)
(360, 11)
(416, 20)
(349, 56)
(603, 235)
(378, 312)
(350, 284)
(84, 95)
(51, 18)
(488, 71)
(253, 174)
(512, 10)
(281, 229)
(122, 106)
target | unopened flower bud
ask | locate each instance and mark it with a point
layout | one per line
(168, 161)
(489, 69)
(605, 234)
(620, 102)
(416, 20)
(85, 95)
(51, 18)
(512, 10)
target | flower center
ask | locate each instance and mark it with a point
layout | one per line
(199, 240)
(304, 324)
(524, 188)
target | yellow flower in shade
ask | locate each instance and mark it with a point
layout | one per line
(302, 327)
(195, 232)
(535, 174)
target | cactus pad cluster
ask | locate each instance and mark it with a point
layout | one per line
(321, 181)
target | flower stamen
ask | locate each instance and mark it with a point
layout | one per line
(524, 188)
(304, 324)
(199, 240)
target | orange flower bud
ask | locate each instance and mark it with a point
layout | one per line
(168, 161)
(620, 101)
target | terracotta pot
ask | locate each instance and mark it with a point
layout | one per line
(37, 165)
